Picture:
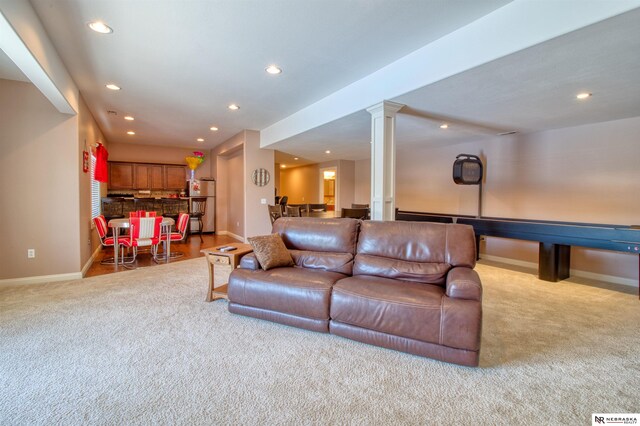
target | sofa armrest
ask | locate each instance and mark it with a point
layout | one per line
(464, 283)
(249, 261)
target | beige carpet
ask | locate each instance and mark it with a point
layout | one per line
(142, 347)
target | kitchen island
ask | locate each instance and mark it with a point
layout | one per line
(115, 207)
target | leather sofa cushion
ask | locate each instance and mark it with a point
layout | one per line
(318, 234)
(408, 309)
(249, 261)
(292, 290)
(334, 262)
(412, 310)
(432, 273)
(464, 283)
(326, 261)
(413, 251)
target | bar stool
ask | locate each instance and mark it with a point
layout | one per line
(170, 208)
(198, 209)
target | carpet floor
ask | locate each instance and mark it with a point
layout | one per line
(142, 347)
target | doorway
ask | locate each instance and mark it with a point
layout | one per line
(329, 187)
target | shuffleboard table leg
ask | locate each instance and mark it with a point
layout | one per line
(554, 261)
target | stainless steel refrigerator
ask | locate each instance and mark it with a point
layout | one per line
(205, 187)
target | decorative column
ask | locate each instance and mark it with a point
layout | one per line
(383, 160)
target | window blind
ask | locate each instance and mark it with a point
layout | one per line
(95, 190)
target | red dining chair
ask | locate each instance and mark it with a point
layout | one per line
(181, 234)
(145, 232)
(107, 241)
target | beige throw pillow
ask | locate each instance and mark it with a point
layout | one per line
(270, 251)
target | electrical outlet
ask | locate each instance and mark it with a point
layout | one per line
(31, 253)
(263, 201)
(238, 224)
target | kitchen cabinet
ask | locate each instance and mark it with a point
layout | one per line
(148, 176)
(120, 175)
(175, 177)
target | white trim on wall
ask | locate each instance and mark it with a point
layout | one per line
(42, 279)
(231, 234)
(572, 272)
(93, 257)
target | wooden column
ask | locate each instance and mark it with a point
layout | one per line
(383, 160)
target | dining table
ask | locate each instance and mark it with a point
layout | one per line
(319, 213)
(124, 223)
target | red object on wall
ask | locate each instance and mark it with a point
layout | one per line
(85, 161)
(100, 173)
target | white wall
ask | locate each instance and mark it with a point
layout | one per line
(88, 135)
(225, 178)
(235, 193)
(257, 220)
(581, 174)
(301, 184)
(39, 185)
(346, 183)
(234, 178)
(362, 190)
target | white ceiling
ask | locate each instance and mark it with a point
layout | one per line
(531, 90)
(181, 63)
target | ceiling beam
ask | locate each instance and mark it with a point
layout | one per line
(514, 27)
(24, 40)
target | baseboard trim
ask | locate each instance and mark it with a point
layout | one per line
(231, 234)
(93, 257)
(42, 279)
(573, 272)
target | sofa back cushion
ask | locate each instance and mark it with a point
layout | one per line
(317, 234)
(328, 261)
(413, 251)
(317, 243)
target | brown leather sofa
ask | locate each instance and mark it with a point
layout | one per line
(408, 286)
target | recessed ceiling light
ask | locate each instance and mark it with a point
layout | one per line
(233, 107)
(283, 166)
(128, 118)
(100, 27)
(583, 95)
(444, 126)
(296, 158)
(213, 128)
(131, 132)
(273, 69)
(200, 140)
(112, 86)
(327, 152)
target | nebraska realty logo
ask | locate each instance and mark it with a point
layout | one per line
(615, 419)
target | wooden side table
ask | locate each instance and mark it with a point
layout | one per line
(221, 264)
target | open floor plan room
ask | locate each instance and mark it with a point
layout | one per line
(319, 212)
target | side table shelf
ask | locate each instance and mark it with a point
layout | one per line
(221, 264)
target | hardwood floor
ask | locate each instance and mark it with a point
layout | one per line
(190, 248)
